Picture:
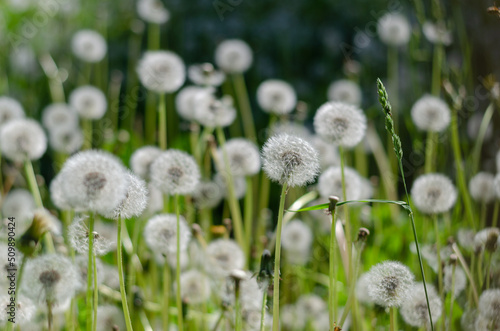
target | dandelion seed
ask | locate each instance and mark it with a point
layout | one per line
(460, 279)
(239, 185)
(109, 317)
(487, 239)
(135, 201)
(161, 71)
(233, 56)
(160, 234)
(394, 29)
(22, 139)
(340, 123)
(414, 310)
(390, 283)
(430, 113)
(195, 287)
(208, 194)
(79, 235)
(205, 75)
(59, 115)
(66, 140)
(191, 98)
(243, 156)
(19, 203)
(276, 96)
(223, 256)
(433, 194)
(141, 160)
(330, 183)
(296, 237)
(89, 102)
(25, 309)
(89, 46)
(291, 160)
(437, 33)
(482, 187)
(152, 11)
(345, 91)
(175, 172)
(489, 310)
(215, 113)
(10, 109)
(94, 181)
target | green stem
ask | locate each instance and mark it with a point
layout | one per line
(436, 69)
(332, 289)
(483, 128)
(153, 36)
(162, 122)
(96, 292)
(126, 312)
(180, 316)
(467, 271)
(346, 215)
(393, 316)
(263, 312)
(166, 295)
(430, 150)
(89, 271)
(244, 106)
(248, 215)
(452, 299)
(495, 214)
(87, 132)
(277, 255)
(438, 253)
(49, 315)
(351, 296)
(237, 306)
(31, 178)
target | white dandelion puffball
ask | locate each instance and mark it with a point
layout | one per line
(66, 140)
(195, 287)
(141, 160)
(57, 195)
(212, 112)
(161, 71)
(311, 305)
(190, 98)
(340, 123)
(296, 237)
(175, 172)
(276, 96)
(465, 238)
(22, 139)
(78, 234)
(497, 184)
(59, 115)
(51, 278)
(291, 128)
(89, 102)
(19, 203)
(94, 181)
(109, 317)
(208, 194)
(89, 46)
(152, 11)
(223, 256)
(430, 113)
(345, 91)
(487, 238)
(482, 187)
(394, 29)
(330, 183)
(437, 33)
(489, 306)
(160, 233)
(205, 75)
(233, 56)
(390, 283)
(433, 194)
(243, 157)
(10, 109)
(460, 279)
(328, 152)
(135, 201)
(361, 290)
(25, 310)
(291, 160)
(414, 310)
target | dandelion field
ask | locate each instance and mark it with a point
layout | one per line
(230, 165)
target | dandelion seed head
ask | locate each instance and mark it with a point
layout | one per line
(212, 112)
(394, 29)
(25, 309)
(296, 237)
(89, 102)
(430, 113)
(276, 96)
(79, 235)
(22, 139)
(460, 279)
(465, 238)
(340, 123)
(10, 109)
(311, 305)
(328, 152)
(175, 172)
(414, 310)
(223, 256)
(66, 140)
(487, 239)
(437, 33)
(205, 74)
(110, 276)
(59, 115)
(161, 71)
(89, 46)
(289, 159)
(482, 187)
(390, 283)
(19, 203)
(361, 290)
(239, 184)
(191, 98)
(330, 183)
(345, 91)
(243, 156)
(152, 11)
(489, 305)
(160, 233)
(195, 287)
(135, 201)
(94, 181)
(433, 194)
(141, 160)
(233, 56)
(82, 263)
(110, 317)
(208, 194)
(57, 195)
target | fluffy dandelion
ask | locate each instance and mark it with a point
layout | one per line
(109, 317)
(437, 33)
(292, 129)
(223, 256)
(290, 160)
(175, 172)
(57, 194)
(414, 310)
(361, 290)
(482, 187)
(276, 96)
(25, 309)
(341, 123)
(22, 139)
(10, 109)
(465, 238)
(161, 71)
(430, 113)
(78, 233)
(460, 279)
(81, 263)
(330, 183)
(311, 305)
(135, 200)
(345, 91)
(390, 283)
(141, 160)
(94, 181)
(152, 11)
(66, 140)
(19, 203)
(233, 56)
(208, 194)
(89, 46)
(296, 237)
(489, 309)
(487, 239)
(59, 115)
(195, 287)
(243, 156)
(191, 98)
(205, 75)
(89, 102)
(433, 194)
(160, 234)
(394, 29)
(216, 113)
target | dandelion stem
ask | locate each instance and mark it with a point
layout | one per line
(495, 214)
(346, 214)
(430, 150)
(153, 36)
(467, 272)
(162, 122)
(452, 292)
(277, 255)
(49, 315)
(244, 106)
(87, 132)
(166, 295)
(178, 267)
(31, 178)
(248, 218)
(436, 69)
(96, 291)
(237, 306)
(263, 312)
(393, 318)
(89, 271)
(332, 289)
(483, 128)
(126, 312)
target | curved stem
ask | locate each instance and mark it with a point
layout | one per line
(180, 316)
(244, 106)
(126, 312)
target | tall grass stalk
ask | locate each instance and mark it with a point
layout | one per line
(244, 106)
(180, 316)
